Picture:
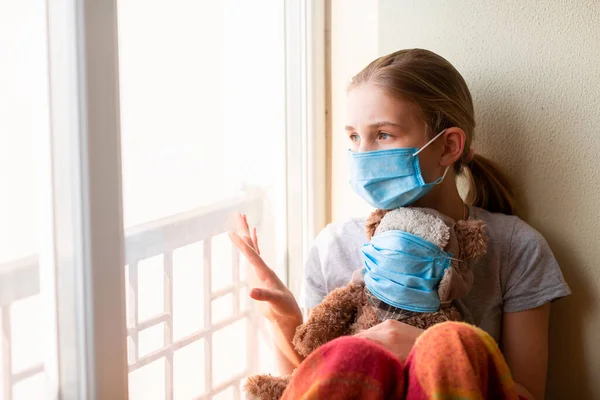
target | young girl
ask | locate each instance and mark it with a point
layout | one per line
(417, 101)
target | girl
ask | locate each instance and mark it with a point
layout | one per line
(417, 101)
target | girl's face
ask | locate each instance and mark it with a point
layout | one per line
(379, 121)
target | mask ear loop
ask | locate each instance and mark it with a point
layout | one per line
(439, 180)
(428, 143)
(443, 176)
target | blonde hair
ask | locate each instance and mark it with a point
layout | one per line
(441, 94)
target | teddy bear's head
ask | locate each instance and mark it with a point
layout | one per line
(466, 240)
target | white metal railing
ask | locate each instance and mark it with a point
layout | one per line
(19, 280)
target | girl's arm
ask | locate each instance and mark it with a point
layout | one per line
(283, 336)
(525, 348)
(287, 357)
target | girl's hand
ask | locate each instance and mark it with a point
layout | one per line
(395, 336)
(276, 302)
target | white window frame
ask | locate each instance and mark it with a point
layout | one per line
(79, 272)
(306, 130)
(88, 254)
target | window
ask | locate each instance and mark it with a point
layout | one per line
(202, 119)
(24, 126)
(136, 130)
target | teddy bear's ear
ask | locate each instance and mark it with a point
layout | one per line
(373, 222)
(472, 238)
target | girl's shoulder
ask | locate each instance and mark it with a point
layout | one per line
(507, 234)
(506, 229)
(528, 272)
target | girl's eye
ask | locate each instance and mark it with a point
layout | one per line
(354, 137)
(384, 136)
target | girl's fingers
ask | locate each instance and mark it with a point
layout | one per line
(263, 272)
(243, 230)
(276, 299)
(249, 242)
(262, 294)
(241, 225)
(255, 240)
(246, 226)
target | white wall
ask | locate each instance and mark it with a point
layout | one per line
(534, 71)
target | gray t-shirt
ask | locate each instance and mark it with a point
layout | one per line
(518, 273)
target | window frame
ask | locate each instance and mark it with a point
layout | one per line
(305, 130)
(82, 281)
(86, 252)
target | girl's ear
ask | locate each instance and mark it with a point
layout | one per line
(373, 222)
(472, 239)
(454, 144)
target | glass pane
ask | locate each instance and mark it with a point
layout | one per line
(29, 388)
(229, 352)
(188, 290)
(24, 192)
(202, 119)
(227, 394)
(188, 372)
(222, 308)
(148, 382)
(24, 116)
(243, 265)
(1, 359)
(244, 298)
(25, 324)
(222, 262)
(266, 349)
(150, 288)
(171, 104)
(151, 339)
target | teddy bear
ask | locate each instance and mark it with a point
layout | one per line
(352, 308)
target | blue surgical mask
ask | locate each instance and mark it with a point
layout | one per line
(388, 179)
(404, 270)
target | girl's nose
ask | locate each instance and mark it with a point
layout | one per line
(366, 145)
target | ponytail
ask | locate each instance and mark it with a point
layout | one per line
(489, 188)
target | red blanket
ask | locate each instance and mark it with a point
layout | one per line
(449, 361)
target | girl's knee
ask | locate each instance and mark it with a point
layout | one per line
(348, 367)
(453, 326)
(453, 330)
(349, 342)
(452, 337)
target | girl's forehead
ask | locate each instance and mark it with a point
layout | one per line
(368, 104)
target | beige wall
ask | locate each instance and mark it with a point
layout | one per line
(534, 71)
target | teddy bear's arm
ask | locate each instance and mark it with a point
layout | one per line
(330, 319)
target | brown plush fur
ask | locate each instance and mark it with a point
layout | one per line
(346, 310)
(471, 239)
(427, 320)
(333, 318)
(267, 386)
(373, 221)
